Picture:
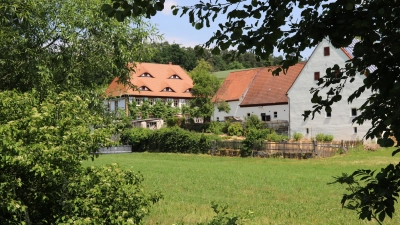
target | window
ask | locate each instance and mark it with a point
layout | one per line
(307, 131)
(263, 117)
(145, 75)
(353, 112)
(316, 75)
(355, 130)
(248, 114)
(326, 51)
(144, 88)
(138, 101)
(188, 90)
(175, 102)
(328, 114)
(174, 77)
(116, 105)
(218, 119)
(151, 101)
(275, 114)
(168, 89)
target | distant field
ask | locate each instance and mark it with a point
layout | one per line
(224, 74)
(278, 191)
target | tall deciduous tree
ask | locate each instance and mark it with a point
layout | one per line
(64, 45)
(264, 25)
(205, 85)
(54, 56)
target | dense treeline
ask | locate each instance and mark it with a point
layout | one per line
(187, 57)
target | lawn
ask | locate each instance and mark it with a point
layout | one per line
(278, 191)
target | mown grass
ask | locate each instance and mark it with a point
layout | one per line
(278, 191)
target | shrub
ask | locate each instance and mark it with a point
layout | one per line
(320, 137)
(252, 122)
(215, 127)
(137, 137)
(324, 137)
(254, 140)
(177, 140)
(328, 138)
(297, 136)
(176, 121)
(276, 137)
(235, 129)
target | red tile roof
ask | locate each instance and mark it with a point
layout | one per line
(266, 89)
(235, 85)
(160, 80)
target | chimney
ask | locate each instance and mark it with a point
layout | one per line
(170, 63)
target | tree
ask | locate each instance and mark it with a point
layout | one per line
(60, 46)
(205, 85)
(264, 25)
(42, 178)
(175, 54)
(54, 57)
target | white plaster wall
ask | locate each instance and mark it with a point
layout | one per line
(340, 124)
(241, 112)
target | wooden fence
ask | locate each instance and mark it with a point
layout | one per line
(301, 150)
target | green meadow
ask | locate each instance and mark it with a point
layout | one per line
(276, 190)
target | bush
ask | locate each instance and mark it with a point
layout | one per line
(235, 129)
(276, 137)
(254, 140)
(253, 122)
(177, 140)
(43, 180)
(137, 137)
(215, 127)
(324, 137)
(297, 136)
(176, 121)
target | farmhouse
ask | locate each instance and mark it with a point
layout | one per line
(258, 92)
(154, 82)
(338, 122)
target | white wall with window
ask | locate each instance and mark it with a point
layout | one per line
(266, 113)
(339, 121)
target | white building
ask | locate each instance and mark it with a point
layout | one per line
(258, 92)
(339, 122)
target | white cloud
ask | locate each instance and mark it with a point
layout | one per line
(167, 7)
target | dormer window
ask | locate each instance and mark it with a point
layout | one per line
(146, 75)
(168, 89)
(144, 88)
(188, 90)
(174, 77)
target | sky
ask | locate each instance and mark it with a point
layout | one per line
(178, 30)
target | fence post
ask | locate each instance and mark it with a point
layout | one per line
(214, 147)
(314, 142)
